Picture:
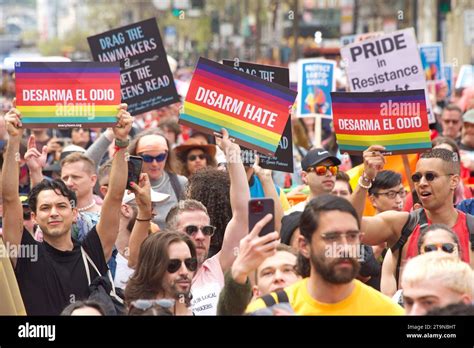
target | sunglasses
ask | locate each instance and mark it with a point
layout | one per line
(322, 170)
(175, 264)
(160, 158)
(147, 304)
(446, 247)
(429, 176)
(207, 230)
(26, 214)
(194, 157)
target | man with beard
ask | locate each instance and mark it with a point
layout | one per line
(59, 275)
(167, 263)
(330, 239)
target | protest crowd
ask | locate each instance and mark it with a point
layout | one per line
(199, 206)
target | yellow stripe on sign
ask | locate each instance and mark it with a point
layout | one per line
(214, 116)
(53, 108)
(416, 135)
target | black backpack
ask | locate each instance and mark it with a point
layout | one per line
(418, 217)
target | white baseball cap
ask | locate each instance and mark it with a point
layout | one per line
(156, 197)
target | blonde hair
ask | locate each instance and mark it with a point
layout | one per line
(446, 269)
(89, 164)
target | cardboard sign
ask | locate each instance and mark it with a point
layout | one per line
(146, 79)
(465, 77)
(64, 95)
(389, 62)
(396, 120)
(283, 159)
(449, 77)
(253, 110)
(431, 59)
(315, 83)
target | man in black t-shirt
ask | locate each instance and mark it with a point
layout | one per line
(53, 274)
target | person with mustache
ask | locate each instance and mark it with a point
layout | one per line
(330, 239)
(166, 265)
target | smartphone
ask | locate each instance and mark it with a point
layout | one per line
(258, 208)
(134, 170)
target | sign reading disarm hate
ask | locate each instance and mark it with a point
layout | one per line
(146, 79)
(283, 159)
(253, 110)
(396, 120)
(64, 95)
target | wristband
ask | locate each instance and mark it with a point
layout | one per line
(121, 143)
(364, 186)
(143, 220)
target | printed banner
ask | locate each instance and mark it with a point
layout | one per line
(64, 95)
(315, 83)
(253, 110)
(283, 159)
(431, 59)
(449, 77)
(465, 77)
(396, 120)
(146, 79)
(389, 62)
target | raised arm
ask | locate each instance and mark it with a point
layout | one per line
(108, 225)
(237, 228)
(388, 283)
(384, 227)
(99, 147)
(35, 161)
(373, 163)
(269, 189)
(142, 223)
(12, 210)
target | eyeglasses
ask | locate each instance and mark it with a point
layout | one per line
(392, 194)
(429, 176)
(194, 157)
(207, 230)
(322, 170)
(160, 158)
(175, 264)
(334, 237)
(446, 247)
(147, 304)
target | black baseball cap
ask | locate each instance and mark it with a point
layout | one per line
(316, 156)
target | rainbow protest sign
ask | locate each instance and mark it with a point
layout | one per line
(397, 120)
(72, 94)
(253, 110)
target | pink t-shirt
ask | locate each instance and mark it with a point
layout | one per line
(206, 287)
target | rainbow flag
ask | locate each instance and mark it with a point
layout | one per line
(397, 120)
(254, 111)
(71, 94)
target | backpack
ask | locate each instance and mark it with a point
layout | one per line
(418, 217)
(102, 289)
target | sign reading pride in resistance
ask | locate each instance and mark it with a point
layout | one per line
(396, 120)
(62, 95)
(283, 159)
(253, 110)
(146, 78)
(389, 62)
(431, 59)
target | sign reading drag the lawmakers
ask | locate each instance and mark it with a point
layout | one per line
(388, 62)
(432, 59)
(449, 77)
(283, 159)
(315, 83)
(396, 120)
(146, 79)
(62, 95)
(253, 110)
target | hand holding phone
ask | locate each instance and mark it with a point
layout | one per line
(258, 208)
(134, 169)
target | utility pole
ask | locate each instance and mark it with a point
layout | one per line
(294, 53)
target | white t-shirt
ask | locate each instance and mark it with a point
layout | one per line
(206, 287)
(122, 272)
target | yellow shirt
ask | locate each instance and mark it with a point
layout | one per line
(363, 300)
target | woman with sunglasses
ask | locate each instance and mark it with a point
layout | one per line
(166, 265)
(439, 237)
(194, 155)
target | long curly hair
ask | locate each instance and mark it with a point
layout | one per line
(211, 187)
